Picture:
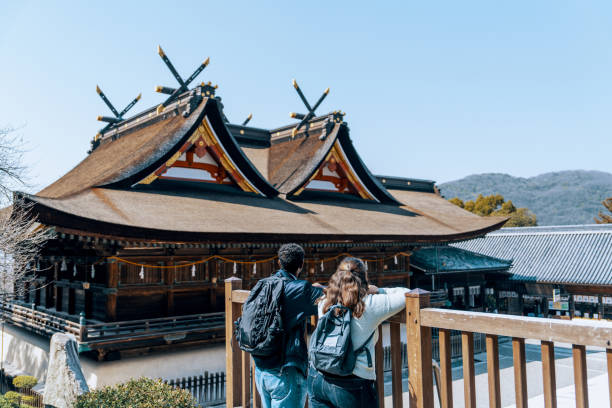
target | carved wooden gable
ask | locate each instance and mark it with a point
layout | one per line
(202, 158)
(335, 174)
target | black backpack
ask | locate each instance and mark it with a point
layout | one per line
(259, 330)
(331, 348)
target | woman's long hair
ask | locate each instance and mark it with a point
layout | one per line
(347, 286)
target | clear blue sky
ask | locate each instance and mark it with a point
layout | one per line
(434, 90)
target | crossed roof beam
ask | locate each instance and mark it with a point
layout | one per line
(112, 121)
(305, 118)
(183, 84)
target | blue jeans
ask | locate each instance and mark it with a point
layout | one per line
(337, 392)
(281, 389)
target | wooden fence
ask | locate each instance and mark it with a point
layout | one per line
(420, 319)
(6, 384)
(456, 349)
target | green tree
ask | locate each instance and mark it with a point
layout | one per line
(496, 205)
(605, 218)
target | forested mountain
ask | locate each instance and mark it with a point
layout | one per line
(558, 198)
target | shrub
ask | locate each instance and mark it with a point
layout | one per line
(141, 393)
(28, 399)
(25, 382)
(4, 403)
(12, 397)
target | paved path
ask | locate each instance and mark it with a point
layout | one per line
(596, 370)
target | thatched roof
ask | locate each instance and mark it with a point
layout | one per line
(102, 194)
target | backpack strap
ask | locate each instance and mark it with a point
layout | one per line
(367, 350)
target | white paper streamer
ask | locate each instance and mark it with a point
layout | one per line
(395, 259)
(74, 270)
(193, 271)
(141, 274)
(235, 268)
(93, 272)
(322, 267)
(254, 269)
(63, 267)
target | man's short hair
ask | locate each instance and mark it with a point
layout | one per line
(291, 257)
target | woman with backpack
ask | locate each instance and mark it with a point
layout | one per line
(342, 367)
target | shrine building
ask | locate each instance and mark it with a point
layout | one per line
(175, 199)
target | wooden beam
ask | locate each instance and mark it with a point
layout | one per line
(396, 365)
(520, 372)
(246, 379)
(609, 360)
(240, 296)
(580, 376)
(112, 281)
(233, 354)
(548, 374)
(418, 339)
(446, 369)
(585, 332)
(492, 344)
(469, 375)
(380, 366)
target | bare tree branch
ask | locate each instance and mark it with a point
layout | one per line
(21, 236)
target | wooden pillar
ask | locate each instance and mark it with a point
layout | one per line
(407, 270)
(548, 374)
(396, 364)
(609, 364)
(214, 279)
(169, 277)
(56, 302)
(233, 355)
(469, 375)
(520, 372)
(112, 282)
(492, 344)
(446, 370)
(420, 380)
(380, 363)
(580, 376)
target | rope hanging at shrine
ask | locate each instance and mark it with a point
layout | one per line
(228, 260)
(254, 262)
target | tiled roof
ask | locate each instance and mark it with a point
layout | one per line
(448, 259)
(576, 254)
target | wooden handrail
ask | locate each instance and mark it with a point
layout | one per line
(420, 319)
(584, 332)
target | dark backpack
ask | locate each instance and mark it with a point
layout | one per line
(259, 330)
(331, 348)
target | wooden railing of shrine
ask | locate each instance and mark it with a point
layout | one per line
(97, 335)
(420, 319)
(38, 321)
(100, 335)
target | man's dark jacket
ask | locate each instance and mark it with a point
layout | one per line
(299, 298)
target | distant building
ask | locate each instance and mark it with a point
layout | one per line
(458, 278)
(575, 261)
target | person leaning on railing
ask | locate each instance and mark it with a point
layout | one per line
(370, 307)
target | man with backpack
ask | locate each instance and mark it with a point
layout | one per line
(272, 329)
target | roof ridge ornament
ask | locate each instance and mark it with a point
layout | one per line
(311, 110)
(183, 84)
(248, 119)
(112, 122)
